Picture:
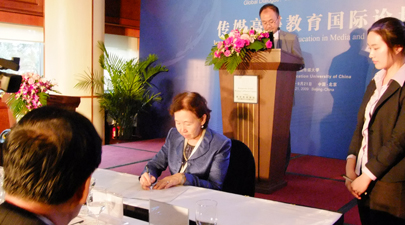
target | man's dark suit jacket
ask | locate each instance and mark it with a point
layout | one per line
(13, 215)
(289, 43)
(386, 144)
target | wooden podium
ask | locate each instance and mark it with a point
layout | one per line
(65, 102)
(264, 127)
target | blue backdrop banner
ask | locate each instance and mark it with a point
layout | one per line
(328, 90)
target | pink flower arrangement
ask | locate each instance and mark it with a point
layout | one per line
(237, 41)
(33, 94)
(231, 51)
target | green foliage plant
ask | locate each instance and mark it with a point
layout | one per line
(128, 89)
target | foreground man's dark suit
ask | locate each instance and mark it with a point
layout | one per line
(13, 215)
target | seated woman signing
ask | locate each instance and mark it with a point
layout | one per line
(195, 154)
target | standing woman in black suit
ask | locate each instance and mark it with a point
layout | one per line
(376, 159)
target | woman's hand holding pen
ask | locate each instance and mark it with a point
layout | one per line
(351, 176)
(348, 182)
(357, 185)
(147, 180)
(360, 185)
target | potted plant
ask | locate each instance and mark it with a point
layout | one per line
(127, 90)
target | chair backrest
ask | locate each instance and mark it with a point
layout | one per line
(241, 175)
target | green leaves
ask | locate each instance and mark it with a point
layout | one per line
(87, 82)
(17, 106)
(256, 46)
(127, 88)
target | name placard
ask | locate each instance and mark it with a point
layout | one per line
(245, 89)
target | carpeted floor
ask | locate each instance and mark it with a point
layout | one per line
(311, 181)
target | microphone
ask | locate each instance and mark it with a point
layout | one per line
(271, 36)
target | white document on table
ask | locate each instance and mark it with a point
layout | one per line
(165, 195)
(129, 187)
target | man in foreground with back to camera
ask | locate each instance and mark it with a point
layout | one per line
(49, 157)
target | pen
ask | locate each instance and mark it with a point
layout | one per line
(147, 171)
(347, 178)
(81, 221)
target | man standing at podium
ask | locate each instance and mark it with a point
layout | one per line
(270, 17)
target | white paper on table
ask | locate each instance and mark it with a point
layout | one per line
(165, 195)
(129, 187)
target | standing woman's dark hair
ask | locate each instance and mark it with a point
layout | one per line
(391, 30)
(193, 102)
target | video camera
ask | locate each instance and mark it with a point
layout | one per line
(10, 82)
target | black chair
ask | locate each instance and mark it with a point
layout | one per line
(241, 175)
